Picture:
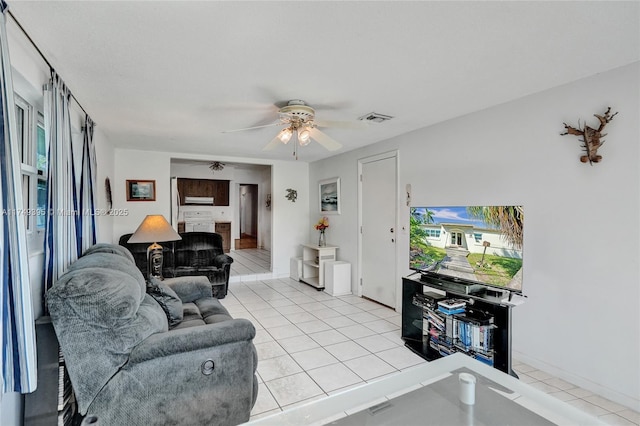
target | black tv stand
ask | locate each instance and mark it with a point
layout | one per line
(419, 300)
(493, 293)
(458, 285)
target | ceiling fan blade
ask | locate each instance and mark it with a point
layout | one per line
(332, 106)
(324, 140)
(274, 143)
(254, 127)
(340, 124)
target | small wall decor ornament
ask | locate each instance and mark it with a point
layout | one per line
(292, 195)
(592, 138)
(107, 188)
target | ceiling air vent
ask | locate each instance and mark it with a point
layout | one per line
(375, 117)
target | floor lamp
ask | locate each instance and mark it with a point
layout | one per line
(154, 229)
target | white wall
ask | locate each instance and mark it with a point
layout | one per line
(104, 169)
(264, 220)
(581, 275)
(289, 221)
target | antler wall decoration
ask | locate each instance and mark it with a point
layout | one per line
(592, 138)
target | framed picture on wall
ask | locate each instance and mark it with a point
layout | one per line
(141, 190)
(329, 193)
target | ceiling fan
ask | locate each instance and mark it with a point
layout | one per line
(301, 126)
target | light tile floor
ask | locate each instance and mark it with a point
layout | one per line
(311, 344)
(250, 264)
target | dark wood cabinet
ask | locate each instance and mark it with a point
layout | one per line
(218, 189)
(224, 229)
(221, 191)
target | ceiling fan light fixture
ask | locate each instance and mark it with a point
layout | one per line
(304, 137)
(216, 166)
(285, 135)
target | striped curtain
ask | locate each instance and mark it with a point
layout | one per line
(17, 330)
(62, 239)
(87, 218)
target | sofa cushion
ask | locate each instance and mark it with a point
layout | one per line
(190, 287)
(191, 316)
(195, 257)
(116, 262)
(99, 316)
(197, 249)
(212, 310)
(207, 310)
(109, 248)
(167, 299)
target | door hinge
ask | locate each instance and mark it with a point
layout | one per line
(360, 178)
(361, 229)
(360, 282)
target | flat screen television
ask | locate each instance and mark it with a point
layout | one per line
(475, 245)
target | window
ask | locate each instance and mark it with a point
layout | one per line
(42, 167)
(477, 236)
(433, 233)
(32, 144)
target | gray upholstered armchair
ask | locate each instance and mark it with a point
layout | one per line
(129, 366)
(198, 253)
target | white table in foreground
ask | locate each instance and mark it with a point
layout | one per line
(428, 394)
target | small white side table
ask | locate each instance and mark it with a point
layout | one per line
(337, 277)
(313, 259)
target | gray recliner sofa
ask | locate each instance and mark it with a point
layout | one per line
(128, 367)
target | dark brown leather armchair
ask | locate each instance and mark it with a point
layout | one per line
(198, 253)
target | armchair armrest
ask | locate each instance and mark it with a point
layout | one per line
(221, 259)
(192, 339)
(190, 288)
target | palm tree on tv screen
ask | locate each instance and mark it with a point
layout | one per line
(509, 219)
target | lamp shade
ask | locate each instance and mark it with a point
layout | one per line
(153, 229)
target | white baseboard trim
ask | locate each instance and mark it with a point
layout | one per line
(596, 388)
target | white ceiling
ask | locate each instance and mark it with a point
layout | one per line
(171, 76)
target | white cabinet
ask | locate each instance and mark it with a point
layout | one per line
(337, 277)
(313, 259)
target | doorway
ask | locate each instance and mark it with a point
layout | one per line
(378, 204)
(456, 239)
(248, 208)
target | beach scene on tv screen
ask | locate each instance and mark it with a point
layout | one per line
(477, 243)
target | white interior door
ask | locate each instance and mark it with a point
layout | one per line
(378, 234)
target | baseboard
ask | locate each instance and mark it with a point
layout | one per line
(251, 277)
(582, 382)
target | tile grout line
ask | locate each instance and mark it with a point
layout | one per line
(286, 288)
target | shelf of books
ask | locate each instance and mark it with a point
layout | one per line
(439, 323)
(450, 326)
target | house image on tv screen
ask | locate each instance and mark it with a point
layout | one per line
(476, 243)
